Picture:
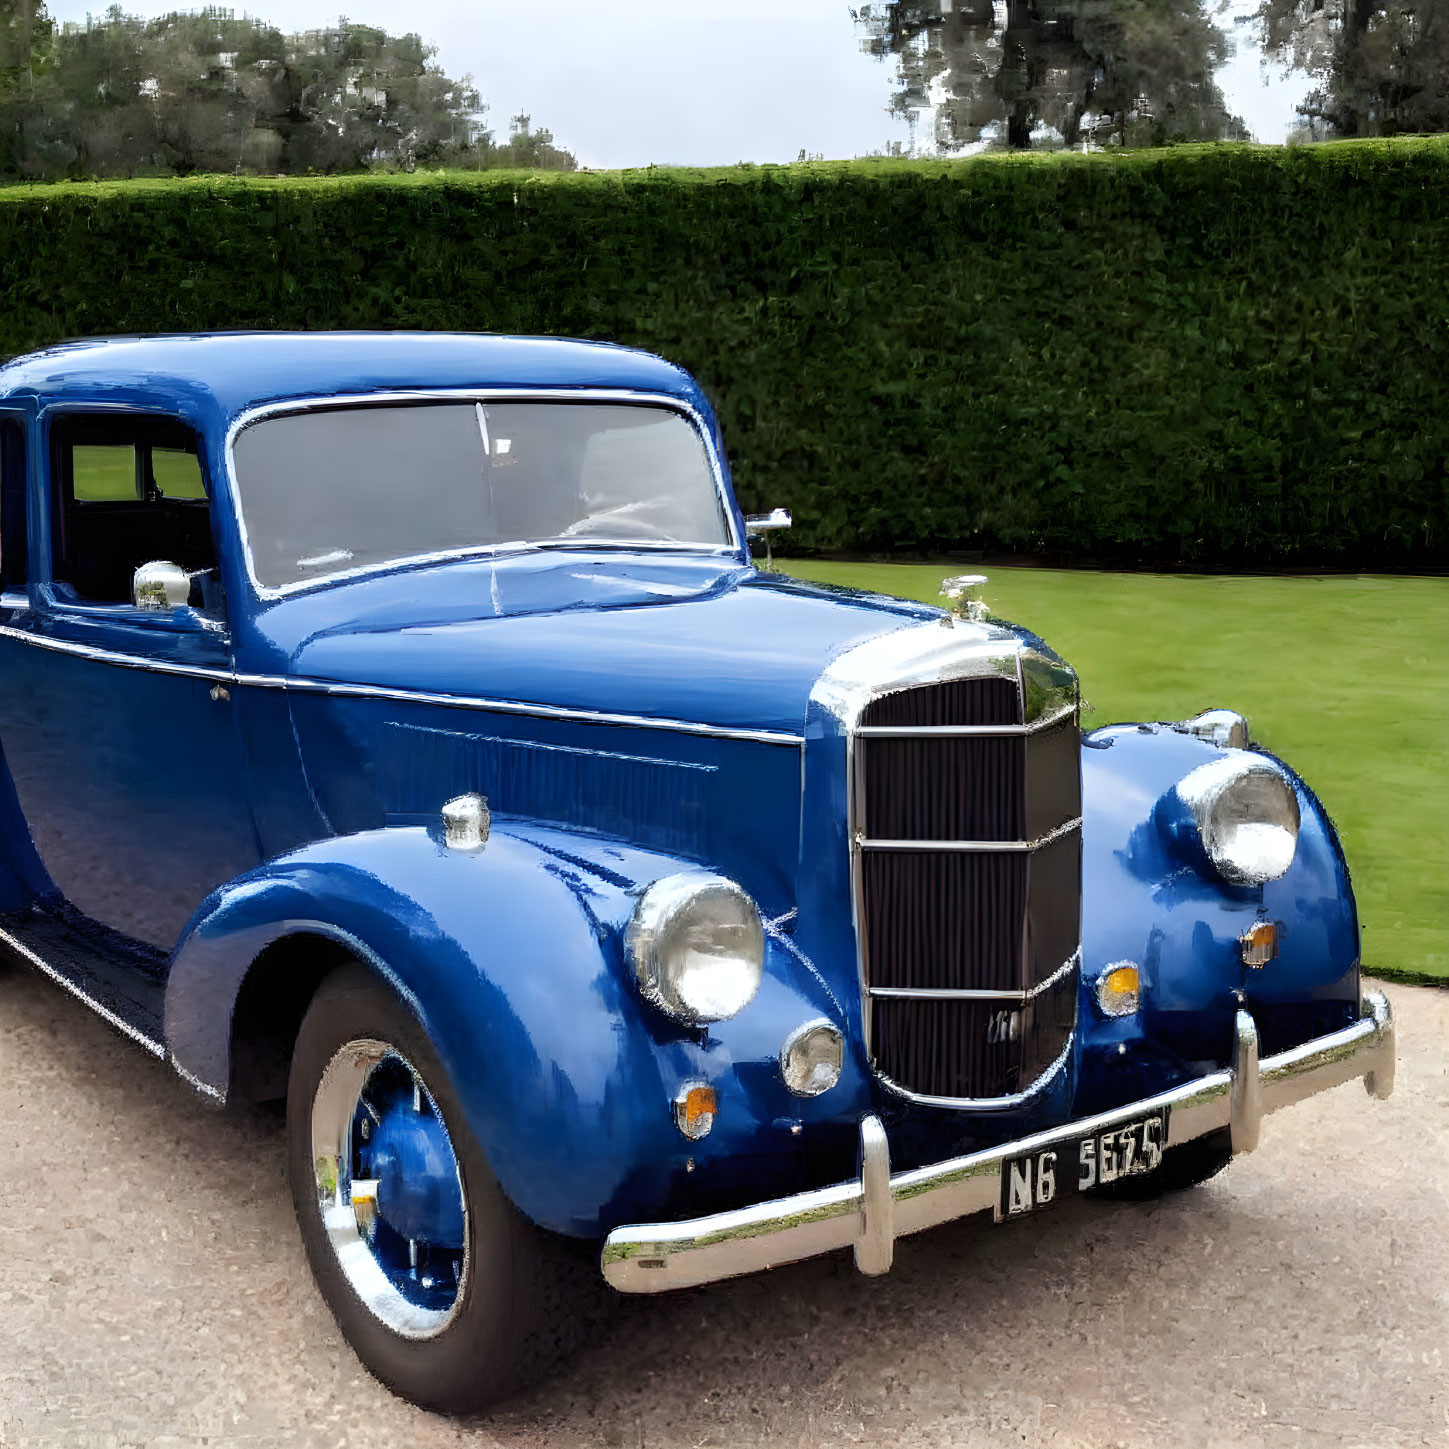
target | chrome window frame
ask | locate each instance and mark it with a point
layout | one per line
(48, 412)
(413, 397)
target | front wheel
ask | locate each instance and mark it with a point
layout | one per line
(443, 1289)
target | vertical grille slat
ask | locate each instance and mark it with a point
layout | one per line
(945, 788)
(948, 921)
(954, 1036)
(982, 920)
(1053, 907)
(1052, 768)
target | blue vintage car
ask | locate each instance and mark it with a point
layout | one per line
(396, 724)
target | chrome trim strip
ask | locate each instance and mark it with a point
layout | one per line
(106, 1015)
(532, 711)
(472, 394)
(985, 847)
(910, 732)
(923, 993)
(854, 826)
(195, 1082)
(658, 1257)
(111, 656)
(914, 654)
(302, 684)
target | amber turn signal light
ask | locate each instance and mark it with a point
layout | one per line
(1259, 944)
(1118, 989)
(694, 1111)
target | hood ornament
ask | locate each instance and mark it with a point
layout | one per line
(962, 590)
(466, 822)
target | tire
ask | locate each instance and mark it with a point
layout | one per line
(1181, 1168)
(453, 1325)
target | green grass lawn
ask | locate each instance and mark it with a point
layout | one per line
(1346, 678)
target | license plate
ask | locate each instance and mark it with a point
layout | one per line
(1031, 1181)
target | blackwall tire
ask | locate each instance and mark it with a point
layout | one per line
(516, 1305)
(1187, 1166)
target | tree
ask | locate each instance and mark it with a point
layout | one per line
(1135, 72)
(210, 92)
(25, 41)
(1382, 66)
(25, 32)
(529, 149)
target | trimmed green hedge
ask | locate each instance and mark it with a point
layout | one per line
(1226, 356)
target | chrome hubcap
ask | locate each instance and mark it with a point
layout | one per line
(389, 1189)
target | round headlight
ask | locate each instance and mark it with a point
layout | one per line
(1246, 813)
(697, 946)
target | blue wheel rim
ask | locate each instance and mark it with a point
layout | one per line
(389, 1189)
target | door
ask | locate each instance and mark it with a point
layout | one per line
(116, 722)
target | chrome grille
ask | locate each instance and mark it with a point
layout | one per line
(968, 880)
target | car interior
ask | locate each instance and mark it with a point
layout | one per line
(129, 491)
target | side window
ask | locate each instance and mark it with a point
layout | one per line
(104, 474)
(177, 474)
(12, 504)
(129, 491)
(118, 472)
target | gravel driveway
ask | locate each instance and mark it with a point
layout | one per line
(152, 1291)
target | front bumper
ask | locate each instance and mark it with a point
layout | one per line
(872, 1211)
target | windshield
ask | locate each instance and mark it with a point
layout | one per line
(327, 491)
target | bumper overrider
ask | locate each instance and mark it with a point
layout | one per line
(870, 1212)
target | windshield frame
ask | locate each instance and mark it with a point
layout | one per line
(342, 401)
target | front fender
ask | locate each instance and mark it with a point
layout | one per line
(511, 959)
(1143, 903)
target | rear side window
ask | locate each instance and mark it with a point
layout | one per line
(105, 473)
(125, 472)
(176, 473)
(128, 491)
(12, 504)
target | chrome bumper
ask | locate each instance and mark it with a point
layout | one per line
(871, 1212)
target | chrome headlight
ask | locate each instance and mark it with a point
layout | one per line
(697, 946)
(1246, 813)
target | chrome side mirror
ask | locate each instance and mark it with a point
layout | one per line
(762, 525)
(961, 591)
(161, 586)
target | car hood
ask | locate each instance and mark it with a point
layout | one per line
(707, 641)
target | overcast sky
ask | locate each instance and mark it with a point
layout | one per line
(689, 82)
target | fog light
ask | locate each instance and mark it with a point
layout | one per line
(1259, 944)
(811, 1059)
(694, 1111)
(1118, 989)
